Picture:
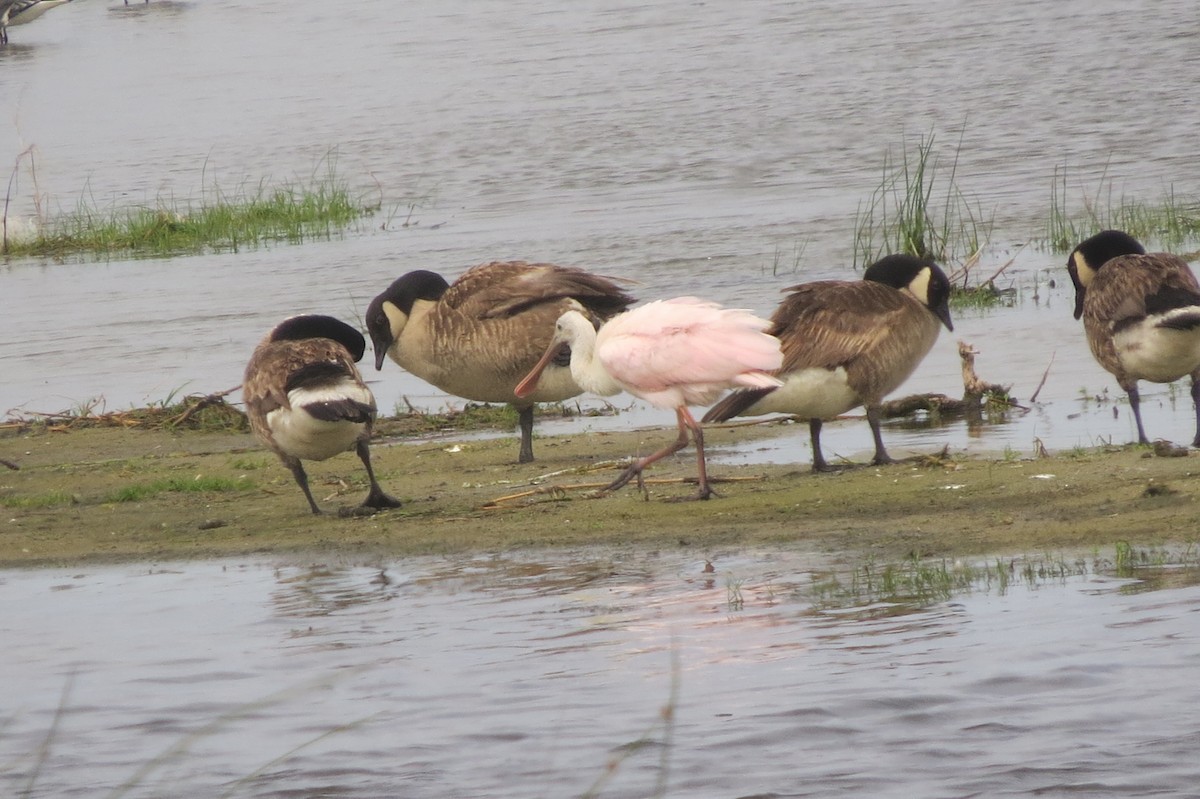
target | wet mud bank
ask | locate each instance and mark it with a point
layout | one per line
(108, 495)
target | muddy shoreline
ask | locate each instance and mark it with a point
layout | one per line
(94, 495)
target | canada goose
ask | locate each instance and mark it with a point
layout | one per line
(478, 338)
(671, 353)
(5, 8)
(20, 12)
(1141, 314)
(306, 400)
(849, 343)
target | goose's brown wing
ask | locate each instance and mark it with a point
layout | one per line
(1124, 291)
(828, 324)
(265, 384)
(1132, 286)
(508, 288)
(857, 325)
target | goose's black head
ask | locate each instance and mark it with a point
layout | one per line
(921, 277)
(1091, 254)
(388, 313)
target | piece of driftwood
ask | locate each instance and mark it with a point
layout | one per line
(914, 403)
(976, 392)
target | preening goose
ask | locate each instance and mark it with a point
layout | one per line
(849, 343)
(20, 12)
(671, 353)
(5, 11)
(478, 337)
(306, 400)
(1141, 315)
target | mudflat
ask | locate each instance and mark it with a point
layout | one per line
(108, 494)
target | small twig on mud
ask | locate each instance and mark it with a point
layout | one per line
(939, 458)
(1045, 374)
(591, 467)
(560, 491)
(201, 404)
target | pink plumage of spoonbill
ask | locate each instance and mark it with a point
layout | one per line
(671, 353)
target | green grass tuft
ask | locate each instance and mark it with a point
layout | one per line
(50, 499)
(1170, 222)
(916, 582)
(319, 209)
(200, 483)
(911, 212)
(980, 297)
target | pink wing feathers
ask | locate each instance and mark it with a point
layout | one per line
(687, 350)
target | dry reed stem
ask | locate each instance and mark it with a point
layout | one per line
(1042, 382)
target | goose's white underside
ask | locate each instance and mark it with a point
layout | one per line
(810, 394)
(1157, 354)
(299, 434)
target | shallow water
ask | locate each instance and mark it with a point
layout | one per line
(528, 676)
(720, 149)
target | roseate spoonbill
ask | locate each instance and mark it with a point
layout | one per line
(1141, 314)
(849, 343)
(477, 338)
(671, 353)
(306, 400)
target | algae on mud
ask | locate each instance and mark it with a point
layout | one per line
(113, 494)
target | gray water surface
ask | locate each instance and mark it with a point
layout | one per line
(720, 149)
(531, 676)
